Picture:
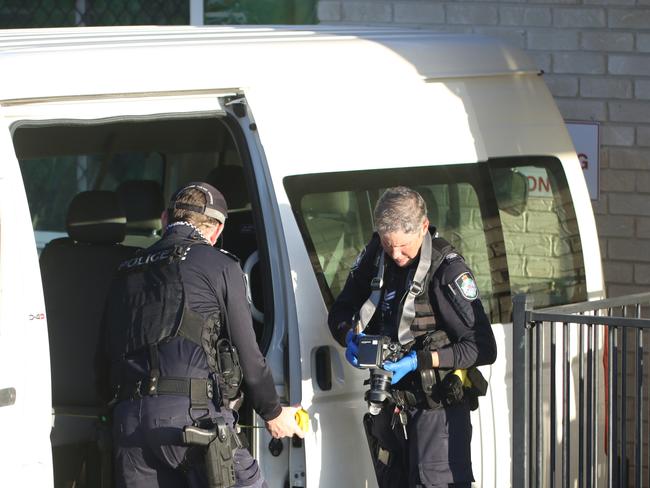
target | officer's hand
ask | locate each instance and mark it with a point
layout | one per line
(352, 350)
(402, 367)
(285, 425)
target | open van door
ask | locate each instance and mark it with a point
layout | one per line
(25, 392)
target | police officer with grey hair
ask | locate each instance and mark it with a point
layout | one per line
(411, 292)
(178, 342)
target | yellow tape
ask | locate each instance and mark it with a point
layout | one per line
(302, 418)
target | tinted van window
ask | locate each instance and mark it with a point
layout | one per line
(516, 235)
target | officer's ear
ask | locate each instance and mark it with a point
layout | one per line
(215, 233)
(425, 226)
(164, 218)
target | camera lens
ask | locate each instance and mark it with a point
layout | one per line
(378, 393)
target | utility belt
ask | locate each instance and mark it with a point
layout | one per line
(200, 391)
(443, 388)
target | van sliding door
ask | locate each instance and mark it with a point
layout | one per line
(25, 397)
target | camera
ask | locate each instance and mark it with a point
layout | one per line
(372, 352)
(375, 349)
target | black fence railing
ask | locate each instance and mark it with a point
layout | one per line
(580, 394)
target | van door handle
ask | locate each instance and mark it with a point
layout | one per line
(7, 397)
(323, 363)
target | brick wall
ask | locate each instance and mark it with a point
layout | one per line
(596, 56)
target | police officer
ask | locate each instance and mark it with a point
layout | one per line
(177, 325)
(412, 287)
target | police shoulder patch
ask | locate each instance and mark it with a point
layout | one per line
(467, 286)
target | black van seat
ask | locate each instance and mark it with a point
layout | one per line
(143, 203)
(76, 273)
(238, 235)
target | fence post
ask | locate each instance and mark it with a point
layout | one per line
(520, 392)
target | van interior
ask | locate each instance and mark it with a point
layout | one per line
(96, 191)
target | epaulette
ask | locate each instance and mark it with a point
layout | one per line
(454, 256)
(228, 253)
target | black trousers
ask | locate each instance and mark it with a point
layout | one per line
(435, 453)
(148, 451)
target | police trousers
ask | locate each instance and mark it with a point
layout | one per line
(435, 453)
(148, 449)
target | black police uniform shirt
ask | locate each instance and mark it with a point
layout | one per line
(458, 310)
(212, 281)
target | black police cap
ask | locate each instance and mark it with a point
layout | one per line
(215, 206)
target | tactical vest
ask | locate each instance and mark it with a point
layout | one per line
(418, 329)
(151, 308)
(417, 317)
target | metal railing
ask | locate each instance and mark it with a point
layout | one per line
(580, 403)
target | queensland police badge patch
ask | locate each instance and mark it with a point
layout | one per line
(467, 286)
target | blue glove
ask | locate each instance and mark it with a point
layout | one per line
(352, 350)
(402, 367)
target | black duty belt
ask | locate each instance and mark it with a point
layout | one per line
(199, 390)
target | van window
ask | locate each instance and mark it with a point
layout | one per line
(512, 219)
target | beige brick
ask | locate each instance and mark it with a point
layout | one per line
(600, 206)
(629, 250)
(642, 273)
(418, 12)
(643, 136)
(541, 60)
(368, 11)
(329, 11)
(579, 63)
(615, 226)
(515, 37)
(643, 42)
(579, 17)
(561, 85)
(628, 64)
(643, 227)
(642, 89)
(473, 14)
(605, 88)
(629, 111)
(643, 182)
(622, 290)
(609, 2)
(617, 180)
(617, 135)
(558, 2)
(629, 158)
(524, 16)
(607, 41)
(629, 204)
(629, 18)
(618, 272)
(552, 40)
(581, 109)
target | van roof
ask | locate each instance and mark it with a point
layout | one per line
(47, 63)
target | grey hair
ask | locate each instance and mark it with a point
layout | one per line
(400, 209)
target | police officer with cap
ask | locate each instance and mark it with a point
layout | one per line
(410, 286)
(177, 340)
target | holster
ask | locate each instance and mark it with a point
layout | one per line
(219, 455)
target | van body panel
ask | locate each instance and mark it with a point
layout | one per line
(417, 100)
(25, 449)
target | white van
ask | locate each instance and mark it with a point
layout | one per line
(302, 128)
